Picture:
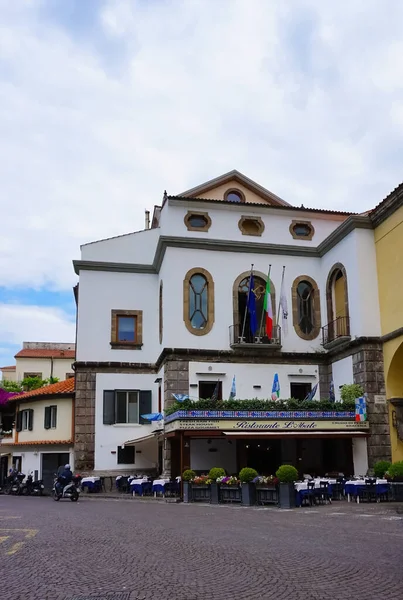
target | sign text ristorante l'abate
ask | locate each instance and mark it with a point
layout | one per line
(279, 425)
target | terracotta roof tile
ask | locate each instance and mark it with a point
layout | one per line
(39, 443)
(8, 368)
(61, 387)
(45, 353)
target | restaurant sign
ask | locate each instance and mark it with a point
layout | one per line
(263, 425)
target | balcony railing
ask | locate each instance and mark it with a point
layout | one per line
(336, 330)
(247, 339)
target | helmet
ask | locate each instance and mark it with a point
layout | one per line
(67, 466)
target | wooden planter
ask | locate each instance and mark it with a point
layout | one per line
(201, 493)
(266, 494)
(230, 493)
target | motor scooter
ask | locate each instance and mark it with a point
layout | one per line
(71, 490)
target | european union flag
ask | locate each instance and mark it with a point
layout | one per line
(252, 306)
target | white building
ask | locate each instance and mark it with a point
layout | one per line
(162, 311)
(41, 359)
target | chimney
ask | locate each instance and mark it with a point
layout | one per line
(147, 219)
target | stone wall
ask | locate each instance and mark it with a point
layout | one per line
(368, 371)
(84, 438)
(176, 379)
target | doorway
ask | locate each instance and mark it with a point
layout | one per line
(264, 455)
(50, 464)
(3, 469)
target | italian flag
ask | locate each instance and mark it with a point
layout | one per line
(268, 309)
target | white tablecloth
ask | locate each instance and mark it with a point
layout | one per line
(138, 481)
(362, 482)
(303, 485)
(89, 479)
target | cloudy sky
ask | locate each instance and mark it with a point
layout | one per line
(106, 103)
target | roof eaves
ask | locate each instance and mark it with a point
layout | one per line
(388, 206)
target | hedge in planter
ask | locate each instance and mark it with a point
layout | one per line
(187, 477)
(287, 475)
(246, 477)
(381, 467)
(214, 473)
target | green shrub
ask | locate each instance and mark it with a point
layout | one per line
(287, 474)
(216, 472)
(381, 467)
(247, 475)
(188, 475)
(350, 391)
(396, 469)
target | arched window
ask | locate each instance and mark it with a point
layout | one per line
(198, 301)
(337, 303)
(306, 307)
(234, 195)
(161, 316)
(240, 297)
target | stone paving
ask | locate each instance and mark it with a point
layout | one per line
(130, 549)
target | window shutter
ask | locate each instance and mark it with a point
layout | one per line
(47, 417)
(145, 406)
(19, 421)
(30, 419)
(109, 407)
(55, 416)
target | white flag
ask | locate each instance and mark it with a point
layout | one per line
(284, 309)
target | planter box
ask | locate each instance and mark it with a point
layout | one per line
(201, 493)
(396, 489)
(230, 493)
(287, 495)
(214, 493)
(248, 494)
(187, 492)
(266, 495)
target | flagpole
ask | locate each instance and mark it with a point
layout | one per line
(261, 318)
(247, 304)
(279, 302)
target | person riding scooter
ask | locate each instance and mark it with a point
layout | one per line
(65, 478)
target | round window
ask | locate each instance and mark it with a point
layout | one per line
(233, 197)
(302, 230)
(197, 221)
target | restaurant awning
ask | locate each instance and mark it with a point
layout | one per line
(282, 434)
(146, 439)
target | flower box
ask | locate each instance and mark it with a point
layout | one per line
(266, 494)
(201, 493)
(230, 493)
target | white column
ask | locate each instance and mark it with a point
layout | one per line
(360, 456)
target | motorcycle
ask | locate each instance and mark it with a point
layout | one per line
(71, 490)
(33, 488)
(15, 485)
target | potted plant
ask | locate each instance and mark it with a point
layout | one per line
(187, 478)
(380, 468)
(201, 488)
(287, 475)
(229, 489)
(266, 489)
(395, 475)
(214, 473)
(246, 477)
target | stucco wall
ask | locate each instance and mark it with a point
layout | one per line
(201, 459)
(61, 366)
(63, 430)
(342, 374)
(32, 457)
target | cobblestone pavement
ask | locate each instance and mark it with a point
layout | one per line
(135, 550)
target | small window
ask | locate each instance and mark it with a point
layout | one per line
(33, 374)
(306, 307)
(127, 329)
(126, 455)
(127, 407)
(198, 301)
(302, 230)
(25, 420)
(305, 293)
(197, 221)
(299, 391)
(251, 226)
(234, 196)
(210, 389)
(50, 417)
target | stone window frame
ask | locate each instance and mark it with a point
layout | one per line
(316, 308)
(115, 343)
(196, 213)
(210, 301)
(257, 220)
(302, 237)
(329, 293)
(235, 191)
(160, 312)
(235, 301)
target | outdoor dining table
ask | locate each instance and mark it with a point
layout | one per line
(159, 486)
(93, 484)
(353, 488)
(139, 486)
(301, 488)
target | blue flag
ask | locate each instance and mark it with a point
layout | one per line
(252, 306)
(275, 390)
(233, 389)
(332, 397)
(180, 397)
(312, 393)
(153, 417)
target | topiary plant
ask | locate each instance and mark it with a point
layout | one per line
(396, 470)
(381, 467)
(287, 474)
(350, 391)
(188, 475)
(247, 475)
(216, 472)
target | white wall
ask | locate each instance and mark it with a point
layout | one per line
(31, 457)
(203, 460)
(61, 366)
(135, 248)
(64, 420)
(109, 437)
(342, 374)
(248, 375)
(360, 456)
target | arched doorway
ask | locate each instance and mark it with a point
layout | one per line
(240, 297)
(337, 303)
(394, 389)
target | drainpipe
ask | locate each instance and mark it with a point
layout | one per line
(51, 366)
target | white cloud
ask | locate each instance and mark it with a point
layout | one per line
(20, 323)
(304, 97)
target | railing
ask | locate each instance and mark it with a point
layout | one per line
(339, 328)
(237, 339)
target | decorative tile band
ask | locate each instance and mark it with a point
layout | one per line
(259, 414)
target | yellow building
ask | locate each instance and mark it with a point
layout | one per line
(387, 218)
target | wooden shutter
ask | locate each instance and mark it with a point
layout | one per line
(109, 407)
(30, 419)
(54, 407)
(47, 417)
(145, 405)
(121, 407)
(19, 421)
